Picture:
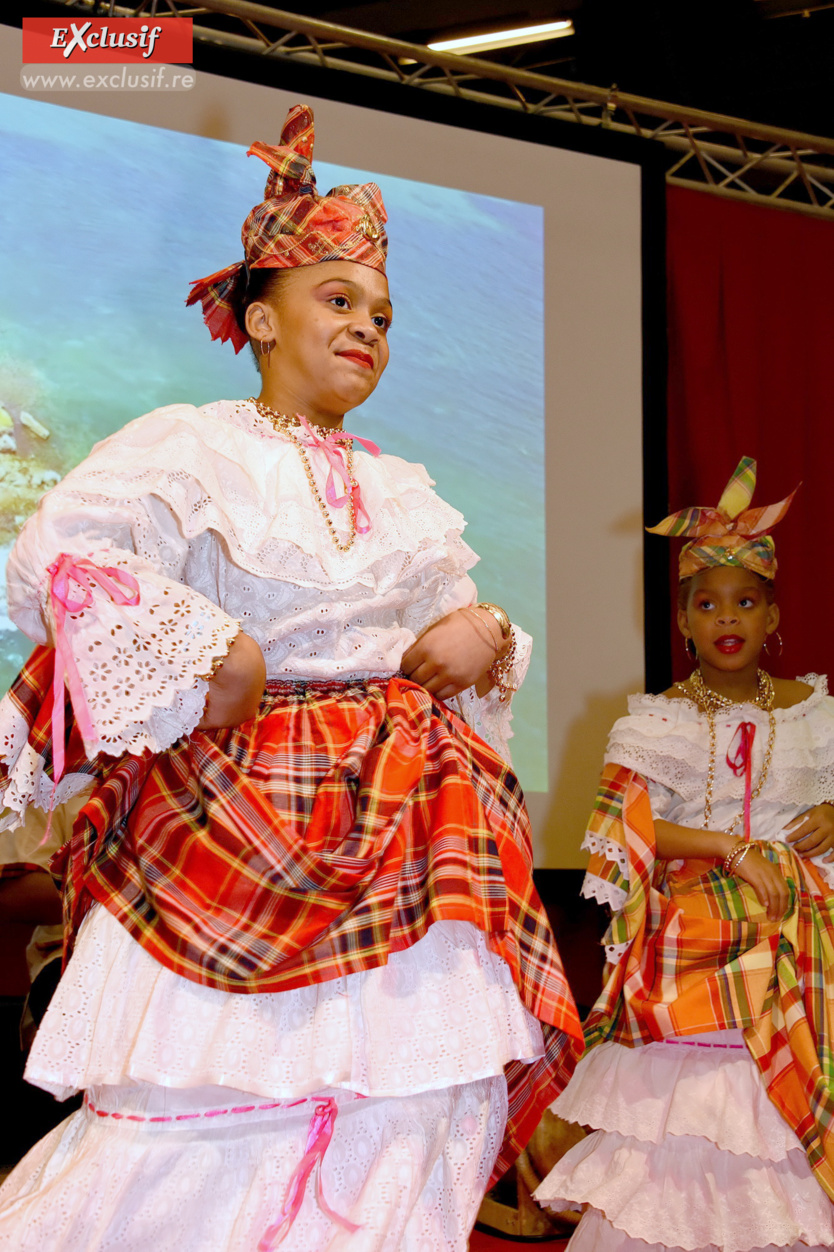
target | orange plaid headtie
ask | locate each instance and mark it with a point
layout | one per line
(293, 226)
(730, 534)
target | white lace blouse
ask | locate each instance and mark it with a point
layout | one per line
(210, 510)
(667, 741)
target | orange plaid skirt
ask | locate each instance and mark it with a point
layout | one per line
(334, 828)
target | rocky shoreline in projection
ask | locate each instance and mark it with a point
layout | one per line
(26, 469)
(30, 463)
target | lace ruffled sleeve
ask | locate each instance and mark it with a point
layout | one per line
(606, 879)
(103, 576)
(620, 843)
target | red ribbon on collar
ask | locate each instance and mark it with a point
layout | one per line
(740, 761)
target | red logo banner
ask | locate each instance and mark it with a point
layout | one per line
(118, 40)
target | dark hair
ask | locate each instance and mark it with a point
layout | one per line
(262, 284)
(685, 588)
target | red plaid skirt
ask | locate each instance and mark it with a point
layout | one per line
(334, 828)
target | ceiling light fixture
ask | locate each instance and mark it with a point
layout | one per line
(504, 38)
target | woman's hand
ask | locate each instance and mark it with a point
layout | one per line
(234, 693)
(812, 833)
(767, 881)
(455, 653)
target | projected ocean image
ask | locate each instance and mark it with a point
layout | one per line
(103, 223)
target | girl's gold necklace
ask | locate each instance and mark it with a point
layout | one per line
(711, 702)
(290, 426)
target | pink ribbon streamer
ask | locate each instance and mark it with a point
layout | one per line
(335, 454)
(84, 574)
(318, 1139)
(740, 761)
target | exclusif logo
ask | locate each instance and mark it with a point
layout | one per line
(116, 40)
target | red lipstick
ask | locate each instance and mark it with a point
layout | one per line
(361, 358)
(729, 644)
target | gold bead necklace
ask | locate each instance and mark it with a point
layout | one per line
(290, 426)
(711, 702)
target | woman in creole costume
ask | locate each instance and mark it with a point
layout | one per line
(312, 998)
(708, 1081)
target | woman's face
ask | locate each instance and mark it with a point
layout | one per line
(330, 328)
(728, 617)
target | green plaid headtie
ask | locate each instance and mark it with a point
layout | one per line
(730, 534)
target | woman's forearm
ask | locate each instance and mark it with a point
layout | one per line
(234, 693)
(679, 842)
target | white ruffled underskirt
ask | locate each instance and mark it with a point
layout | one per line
(595, 1234)
(442, 1013)
(410, 1172)
(687, 1151)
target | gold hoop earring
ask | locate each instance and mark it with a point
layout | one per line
(768, 638)
(689, 648)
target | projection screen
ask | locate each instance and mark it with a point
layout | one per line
(516, 370)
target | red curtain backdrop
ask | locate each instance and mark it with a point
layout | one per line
(751, 346)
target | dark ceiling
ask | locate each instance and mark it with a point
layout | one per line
(768, 61)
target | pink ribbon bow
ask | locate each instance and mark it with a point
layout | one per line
(318, 1139)
(740, 761)
(331, 446)
(84, 574)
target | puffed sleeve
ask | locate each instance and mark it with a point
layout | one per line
(143, 643)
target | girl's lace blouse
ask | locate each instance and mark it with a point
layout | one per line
(667, 741)
(211, 511)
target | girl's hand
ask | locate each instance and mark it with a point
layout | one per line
(766, 880)
(812, 833)
(454, 654)
(234, 693)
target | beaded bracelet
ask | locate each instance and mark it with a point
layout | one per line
(501, 670)
(215, 667)
(732, 854)
(740, 858)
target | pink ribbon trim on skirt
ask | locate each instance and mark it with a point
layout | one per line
(318, 1139)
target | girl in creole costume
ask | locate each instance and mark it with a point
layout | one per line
(708, 1083)
(312, 998)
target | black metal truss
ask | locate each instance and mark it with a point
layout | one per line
(725, 156)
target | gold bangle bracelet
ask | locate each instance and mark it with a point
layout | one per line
(500, 616)
(483, 627)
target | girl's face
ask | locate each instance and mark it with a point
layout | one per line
(728, 617)
(330, 328)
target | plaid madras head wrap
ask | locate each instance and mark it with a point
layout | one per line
(293, 226)
(730, 534)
